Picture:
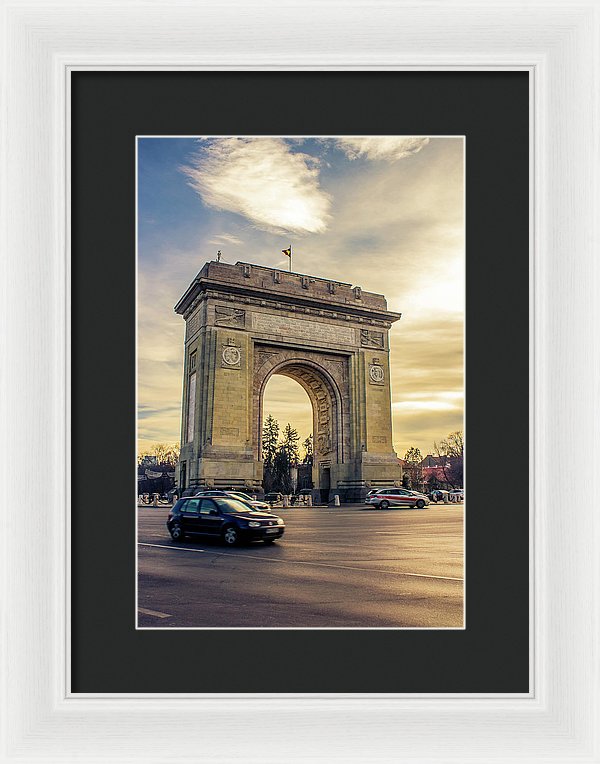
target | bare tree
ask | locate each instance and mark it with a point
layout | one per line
(164, 454)
(450, 452)
(412, 467)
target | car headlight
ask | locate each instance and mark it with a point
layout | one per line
(279, 521)
(254, 524)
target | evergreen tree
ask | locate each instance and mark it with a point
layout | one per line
(281, 478)
(280, 457)
(290, 445)
(270, 438)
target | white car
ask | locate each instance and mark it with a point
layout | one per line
(262, 505)
(254, 503)
(397, 497)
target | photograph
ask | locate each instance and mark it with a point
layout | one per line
(301, 460)
(300, 318)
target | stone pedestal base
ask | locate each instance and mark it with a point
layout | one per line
(219, 469)
(356, 479)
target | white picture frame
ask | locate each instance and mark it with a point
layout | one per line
(558, 43)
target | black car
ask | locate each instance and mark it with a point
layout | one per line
(229, 519)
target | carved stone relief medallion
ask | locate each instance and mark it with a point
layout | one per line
(376, 374)
(231, 356)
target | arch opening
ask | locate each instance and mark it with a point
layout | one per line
(325, 402)
(287, 401)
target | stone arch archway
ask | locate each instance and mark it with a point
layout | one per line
(325, 380)
(245, 323)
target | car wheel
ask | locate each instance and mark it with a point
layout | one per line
(384, 504)
(420, 504)
(177, 533)
(231, 535)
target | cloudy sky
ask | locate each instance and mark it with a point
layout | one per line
(384, 213)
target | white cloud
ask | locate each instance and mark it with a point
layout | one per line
(225, 238)
(444, 395)
(261, 178)
(424, 406)
(390, 148)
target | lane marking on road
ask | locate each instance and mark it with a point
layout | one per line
(167, 546)
(304, 562)
(155, 613)
(393, 533)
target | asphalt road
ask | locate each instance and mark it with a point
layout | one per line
(347, 567)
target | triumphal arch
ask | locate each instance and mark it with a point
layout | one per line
(245, 323)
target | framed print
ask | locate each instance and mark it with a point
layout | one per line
(322, 601)
(518, 681)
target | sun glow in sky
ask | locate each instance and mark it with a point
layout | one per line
(384, 213)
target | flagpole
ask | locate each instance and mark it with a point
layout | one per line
(290, 258)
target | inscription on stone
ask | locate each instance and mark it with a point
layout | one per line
(379, 439)
(192, 324)
(302, 329)
(229, 431)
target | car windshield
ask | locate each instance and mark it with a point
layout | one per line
(231, 505)
(240, 496)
